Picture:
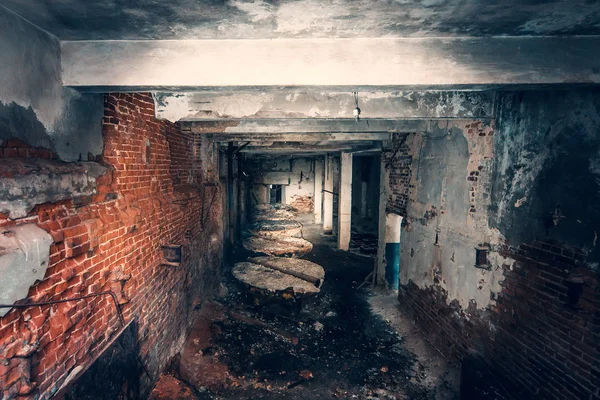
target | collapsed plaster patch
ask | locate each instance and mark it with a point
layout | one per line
(24, 257)
(27, 183)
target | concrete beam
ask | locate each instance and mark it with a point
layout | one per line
(345, 201)
(298, 137)
(304, 126)
(301, 150)
(355, 62)
(314, 103)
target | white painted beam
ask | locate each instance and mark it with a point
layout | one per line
(345, 201)
(320, 103)
(304, 125)
(298, 137)
(301, 150)
(398, 62)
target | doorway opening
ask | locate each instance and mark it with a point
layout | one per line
(275, 193)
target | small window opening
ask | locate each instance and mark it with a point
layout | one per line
(481, 256)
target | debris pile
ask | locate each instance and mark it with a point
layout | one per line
(275, 232)
(332, 346)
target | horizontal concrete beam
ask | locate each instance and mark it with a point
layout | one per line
(280, 149)
(400, 62)
(304, 126)
(298, 137)
(315, 103)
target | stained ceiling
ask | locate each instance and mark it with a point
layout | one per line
(219, 19)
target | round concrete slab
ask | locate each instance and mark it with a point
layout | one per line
(265, 278)
(283, 246)
(292, 265)
(275, 229)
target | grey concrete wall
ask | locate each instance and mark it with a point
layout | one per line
(443, 224)
(547, 168)
(532, 174)
(34, 106)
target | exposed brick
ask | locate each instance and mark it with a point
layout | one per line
(122, 228)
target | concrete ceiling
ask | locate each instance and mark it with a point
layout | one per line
(220, 19)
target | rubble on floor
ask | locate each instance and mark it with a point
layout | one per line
(363, 243)
(273, 235)
(169, 387)
(330, 345)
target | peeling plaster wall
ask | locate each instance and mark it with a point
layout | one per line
(529, 185)
(547, 168)
(446, 204)
(34, 106)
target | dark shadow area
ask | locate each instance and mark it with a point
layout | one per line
(114, 375)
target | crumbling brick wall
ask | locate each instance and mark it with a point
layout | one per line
(398, 160)
(112, 241)
(535, 321)
(542, 333)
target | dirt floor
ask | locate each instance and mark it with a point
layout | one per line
(344, 342)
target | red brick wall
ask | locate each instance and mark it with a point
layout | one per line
(548, 347)
(398, 160)
(113, 242)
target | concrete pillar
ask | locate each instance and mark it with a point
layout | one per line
(383, 198)
(345, 201)
(328, 196)
(318, 198)
(261, 194)
(393, 222)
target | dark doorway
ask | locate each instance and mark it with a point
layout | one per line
(275, 194)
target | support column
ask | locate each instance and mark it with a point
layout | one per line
(393, 222)
(383, 198)
(345, 201)
(230, 186)
(328, 196)
(318, 198)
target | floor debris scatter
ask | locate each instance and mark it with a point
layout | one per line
(330, 345)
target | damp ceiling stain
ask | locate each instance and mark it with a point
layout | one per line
(217, 19)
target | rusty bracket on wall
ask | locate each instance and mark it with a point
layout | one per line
(327, 191)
